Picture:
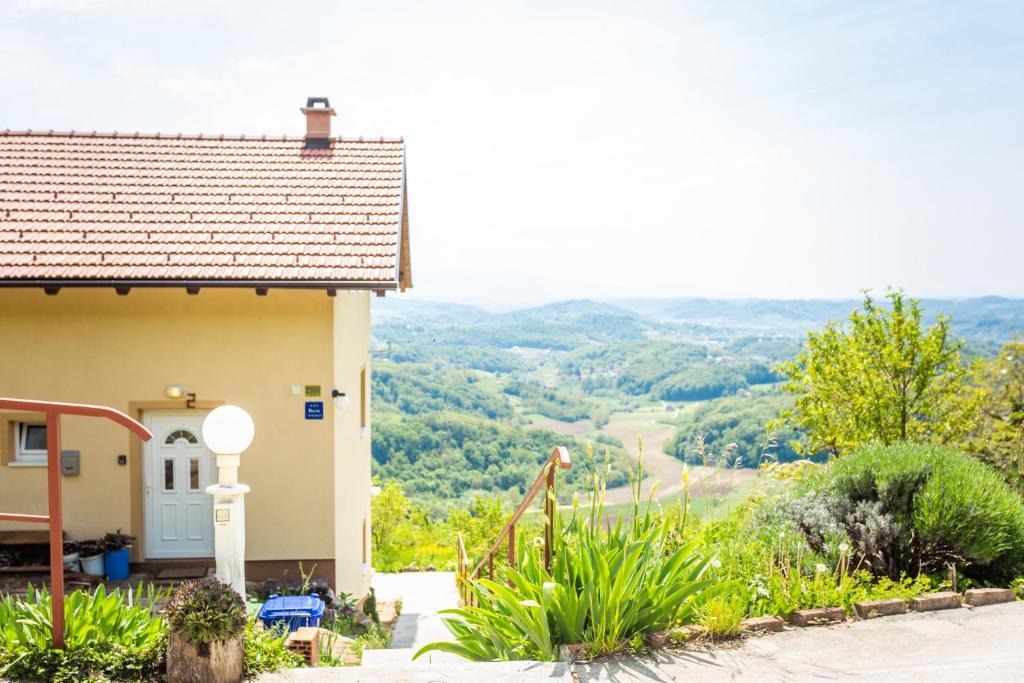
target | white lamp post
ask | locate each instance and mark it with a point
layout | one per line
(227, 431)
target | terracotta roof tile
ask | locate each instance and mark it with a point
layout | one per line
(116, 207)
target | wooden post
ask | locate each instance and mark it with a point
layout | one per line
(56, 527)
(512, 546)
(549, 513)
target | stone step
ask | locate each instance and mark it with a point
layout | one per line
(449, 672)
(402, 656)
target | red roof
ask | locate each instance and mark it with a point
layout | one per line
(131, 209)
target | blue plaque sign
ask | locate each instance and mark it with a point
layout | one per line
(314, 410)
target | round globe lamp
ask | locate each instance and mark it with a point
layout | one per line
(228, 430)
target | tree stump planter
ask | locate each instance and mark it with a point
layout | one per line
(216, 662)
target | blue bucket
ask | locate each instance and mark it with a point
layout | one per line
(117, 564)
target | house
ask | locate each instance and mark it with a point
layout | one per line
(165, 275)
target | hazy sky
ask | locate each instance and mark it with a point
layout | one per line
(564, 149)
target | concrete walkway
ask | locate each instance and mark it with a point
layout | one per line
(423, 594)
(951, 645)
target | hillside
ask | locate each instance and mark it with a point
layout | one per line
(468, 401)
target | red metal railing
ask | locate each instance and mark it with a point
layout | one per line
(559, 458)
(55, 518)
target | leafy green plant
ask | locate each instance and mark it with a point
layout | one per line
(370, 606)
(606, 585)
(206, 611)
(122, 618)
(265, 650)
(107, 635)
(377, 637)
(721, 615)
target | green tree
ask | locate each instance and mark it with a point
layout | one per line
(882, 376)
(999, 436)
(389, 509)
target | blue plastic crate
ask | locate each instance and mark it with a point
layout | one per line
(294, 610)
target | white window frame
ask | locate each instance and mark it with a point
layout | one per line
(25, 457)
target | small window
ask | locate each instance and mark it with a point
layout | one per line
(193, 474)
(181, 435)
(169, 474)
(30, 444)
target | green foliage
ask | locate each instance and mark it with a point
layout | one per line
(467, 357)
(882, 377)
(265, 650)
(775, 570)
(107, 635)
(370, 606)
(419, 541)
(999, 436)
(720, 616)
(665, 370)
(415, 388)
(390, 509)
(739, 421)
(442, 457)
(206, 611)
(912, 508)
(556, 404)
(376, 637)
(770, 349)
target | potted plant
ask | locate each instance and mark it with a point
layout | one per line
(117, 546)
(91, 555)
(206, 620)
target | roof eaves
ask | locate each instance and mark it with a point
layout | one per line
(241, 284)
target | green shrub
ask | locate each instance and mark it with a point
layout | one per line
(206, 611)
(265, 650)
(107, 635)
(917, 509)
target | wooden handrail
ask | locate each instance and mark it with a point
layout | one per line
(54, 410)
(546, 479)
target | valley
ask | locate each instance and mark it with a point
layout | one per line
(468, 402)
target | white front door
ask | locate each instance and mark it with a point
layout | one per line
(177, 468)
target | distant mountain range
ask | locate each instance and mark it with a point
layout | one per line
(570, 323)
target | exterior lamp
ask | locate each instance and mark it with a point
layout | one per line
(174, 391)
(228, 431)
(341, 399)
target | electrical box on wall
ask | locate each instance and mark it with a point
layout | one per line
(70, 463)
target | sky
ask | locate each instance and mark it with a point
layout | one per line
(790, 149)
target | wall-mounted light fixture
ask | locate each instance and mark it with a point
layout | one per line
(341, 399)
(174, 391)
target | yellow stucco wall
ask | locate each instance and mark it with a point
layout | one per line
(226, 345)
(352, 455)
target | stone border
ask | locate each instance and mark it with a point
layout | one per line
(822, 616)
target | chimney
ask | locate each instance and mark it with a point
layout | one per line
(318, 122)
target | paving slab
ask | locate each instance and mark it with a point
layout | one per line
(423, 595)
